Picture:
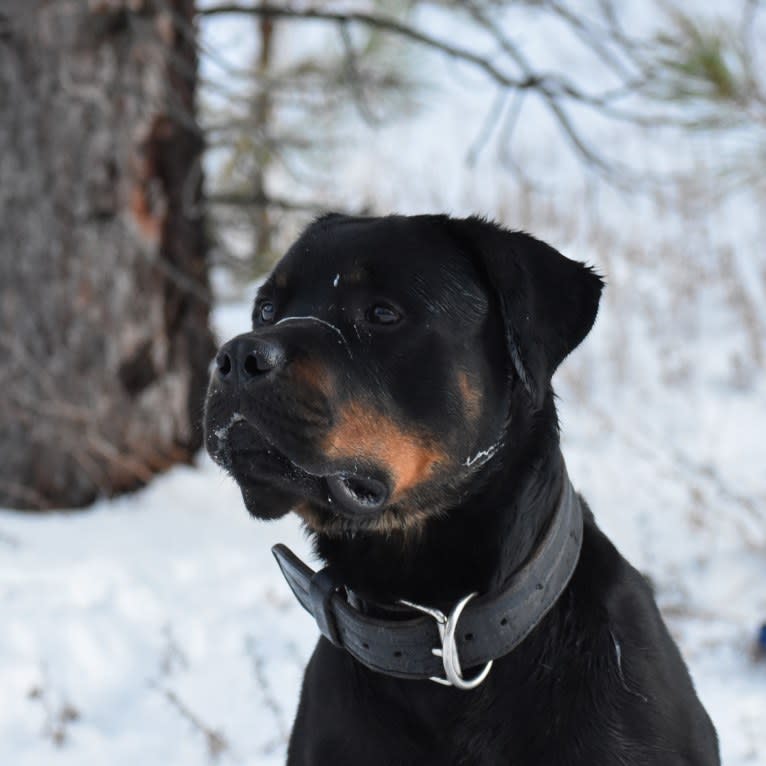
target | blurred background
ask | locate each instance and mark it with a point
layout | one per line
(157, 157)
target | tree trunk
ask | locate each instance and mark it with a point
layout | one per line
(104, 339)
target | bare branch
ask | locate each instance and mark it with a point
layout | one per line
(354, 77)
(215, 741)
(270, 700)
(376, 21)
(595, 39)
(238, 199)
(490, 121)
(552, 88)
(506, 137)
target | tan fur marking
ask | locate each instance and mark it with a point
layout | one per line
(307, 513)
(408, 523)
(355, 277)
(471, 396)
(364, 433)
(312, 374)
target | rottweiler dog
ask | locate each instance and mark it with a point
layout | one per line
(395, 393)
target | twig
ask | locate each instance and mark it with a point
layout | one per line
(215, 741)
(57, 717)
(593, 39)
(684, 465)
(269, 699)
(354, 77)
(239, 199)
(485, 132)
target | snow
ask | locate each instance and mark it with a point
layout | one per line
(482, 456)
(157, 628)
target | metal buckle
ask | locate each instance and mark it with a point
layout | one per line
(448, 652)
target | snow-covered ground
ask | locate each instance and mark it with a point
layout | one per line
(157, 629)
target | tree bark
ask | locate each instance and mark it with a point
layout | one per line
(104, 297)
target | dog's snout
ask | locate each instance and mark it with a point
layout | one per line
(247, 357)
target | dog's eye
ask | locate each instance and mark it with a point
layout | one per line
(382, 314)
(266, 312)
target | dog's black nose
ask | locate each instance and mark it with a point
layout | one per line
(247, 357)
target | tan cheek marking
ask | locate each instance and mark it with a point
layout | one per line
(408, 523)
(312, 374)
(364, 433)
(307, 513)
(471, 396)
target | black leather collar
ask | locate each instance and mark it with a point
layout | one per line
(491, 625)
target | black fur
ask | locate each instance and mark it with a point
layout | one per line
(600, 681)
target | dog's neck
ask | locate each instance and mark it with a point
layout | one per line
(477, 546)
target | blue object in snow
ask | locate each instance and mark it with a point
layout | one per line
(759, 645)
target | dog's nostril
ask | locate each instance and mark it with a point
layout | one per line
(223, 363)
(251, 365)
(257, 363)
(263, 356)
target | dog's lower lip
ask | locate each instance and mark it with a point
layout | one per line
(357, 494)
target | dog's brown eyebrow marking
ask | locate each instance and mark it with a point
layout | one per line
(471, 395)
(362, 432)
(280, 280)
(354, 277)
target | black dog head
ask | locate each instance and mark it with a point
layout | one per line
(388, 361)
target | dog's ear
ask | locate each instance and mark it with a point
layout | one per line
(549, 302)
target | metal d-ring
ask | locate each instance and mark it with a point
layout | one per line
(448, 652)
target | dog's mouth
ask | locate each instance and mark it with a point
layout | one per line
(352, 492)
(357, 494)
